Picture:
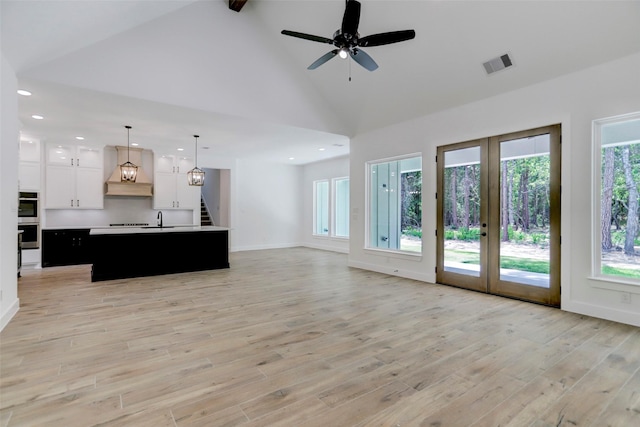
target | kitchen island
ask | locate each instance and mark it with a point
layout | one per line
(118, 253)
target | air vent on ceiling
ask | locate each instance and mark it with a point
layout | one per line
(497, 64)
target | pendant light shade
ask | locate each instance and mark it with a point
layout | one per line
(128, 171)
(196, 176)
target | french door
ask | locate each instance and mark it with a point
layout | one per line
(498, 202)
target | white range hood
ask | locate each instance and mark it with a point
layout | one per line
(143, 187)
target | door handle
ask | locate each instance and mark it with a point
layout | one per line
(483, 233)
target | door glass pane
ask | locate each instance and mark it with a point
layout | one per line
(461, 213)
(524, 210)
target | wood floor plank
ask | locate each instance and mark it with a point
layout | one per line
(295, 337)
(624, 409)
(583, 403)
(524, 406)
(421, 404)
(479, 399)
(360, 409)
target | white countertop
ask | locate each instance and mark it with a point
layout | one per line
(155, 229)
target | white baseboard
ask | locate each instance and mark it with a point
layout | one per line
(392, 271)
(263, 247)
(8, 315)
(620, 316)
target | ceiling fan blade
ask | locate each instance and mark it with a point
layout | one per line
(351, 18)
(307, 36)
(361, 57)
(324, 58)
(386, 38)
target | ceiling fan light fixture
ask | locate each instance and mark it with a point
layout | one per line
(128, 171)
(195, 176)
(348, 42)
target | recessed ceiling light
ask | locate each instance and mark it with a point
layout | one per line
(37, 117)
(135, 144)
(338, 145)
(321, 149)
(80, 138)
(292, 158)
(180, 149)
(24, 92)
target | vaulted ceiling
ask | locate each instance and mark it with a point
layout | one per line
(174, 68)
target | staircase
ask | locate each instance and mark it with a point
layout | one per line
(205, 219)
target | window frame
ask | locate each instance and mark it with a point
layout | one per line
(596, 273)
(334, 207)
(398, 253)
(315, 208)
(332, 204)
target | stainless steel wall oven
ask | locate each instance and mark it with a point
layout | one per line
(29, 219)
(30, 235)
(28, 207)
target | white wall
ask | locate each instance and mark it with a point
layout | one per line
(211, 193)
(328, 169)
(268, 208)
(144, 61)
(9, 146)
(574, 100)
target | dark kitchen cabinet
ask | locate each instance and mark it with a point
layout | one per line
(68, 246)
(165, 252)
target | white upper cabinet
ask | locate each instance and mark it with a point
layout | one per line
(165, 164)
(29, 166)
(62, 155)
(72, 155)
(74, 177)
(30, 151)
(171, 190)
(89, 157)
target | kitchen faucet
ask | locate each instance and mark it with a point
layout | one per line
(159, 218)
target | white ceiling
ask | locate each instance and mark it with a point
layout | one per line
(174, 68)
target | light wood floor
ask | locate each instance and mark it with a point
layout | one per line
(294, 337)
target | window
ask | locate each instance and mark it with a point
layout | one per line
(617, 188)
(321, 208)
(341, 207)
(395, 208)
(336, 202)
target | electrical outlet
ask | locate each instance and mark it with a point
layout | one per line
(625, 297)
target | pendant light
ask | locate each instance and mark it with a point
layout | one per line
(128, 171)
(196, 176)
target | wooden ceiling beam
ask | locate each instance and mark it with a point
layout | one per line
(236, 4)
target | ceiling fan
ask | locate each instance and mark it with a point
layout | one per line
(348, 42)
